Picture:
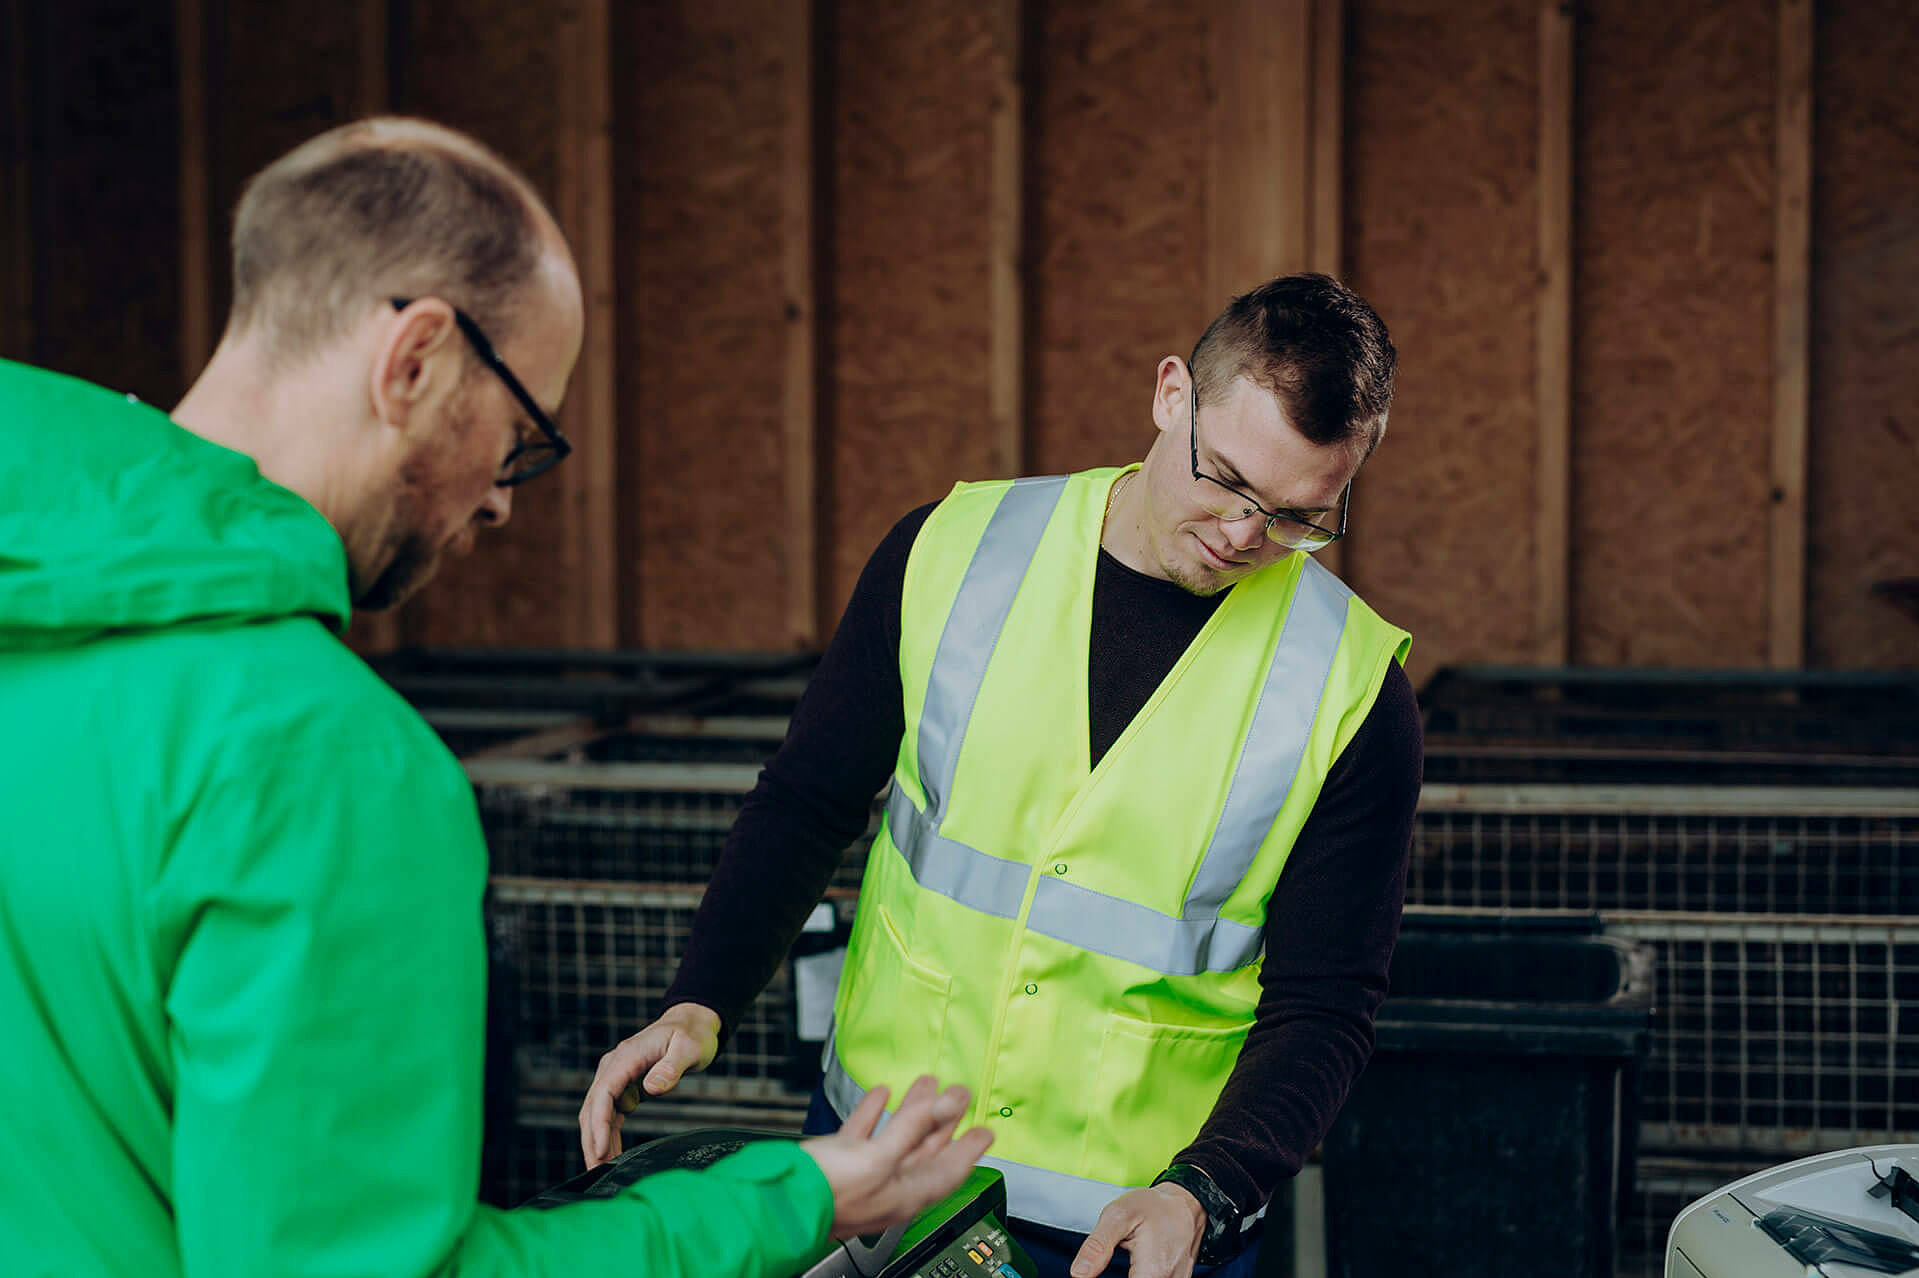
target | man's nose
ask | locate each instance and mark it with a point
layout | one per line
(1246, 532)
(498, 506)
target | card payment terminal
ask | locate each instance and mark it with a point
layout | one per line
(961, 1236)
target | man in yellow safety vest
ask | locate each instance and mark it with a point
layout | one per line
(1153, 771)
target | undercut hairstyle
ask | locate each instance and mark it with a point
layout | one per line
(381, 208)
(1315, 346)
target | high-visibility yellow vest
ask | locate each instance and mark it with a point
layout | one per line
(1081, 945)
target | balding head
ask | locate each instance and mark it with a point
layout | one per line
(385, 207)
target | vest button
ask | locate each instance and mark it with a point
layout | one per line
(1060, 868)
(1005, 1111)
(1032, 989)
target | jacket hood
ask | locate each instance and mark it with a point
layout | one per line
(114, 519)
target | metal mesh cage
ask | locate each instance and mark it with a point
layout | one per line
(1778, 1036)
(569, 828)
(1666, 848)
(594, 959)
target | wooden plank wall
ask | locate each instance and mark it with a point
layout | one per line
(1648, 269)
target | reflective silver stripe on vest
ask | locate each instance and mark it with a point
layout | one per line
(1276, 742)
(973, 627)
(1199, 940)
(956, 871)
(1049, 1197)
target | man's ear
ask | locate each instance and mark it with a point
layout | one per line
(1172, 382)
(416, 361)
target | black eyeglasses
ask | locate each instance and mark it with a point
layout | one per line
(529, 457)
(1297, 532)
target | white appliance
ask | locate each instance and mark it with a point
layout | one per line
(1842, 1215)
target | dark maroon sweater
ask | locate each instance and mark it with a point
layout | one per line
(1330, 926)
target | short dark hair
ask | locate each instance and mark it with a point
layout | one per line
(381, 208)
(1312, 343)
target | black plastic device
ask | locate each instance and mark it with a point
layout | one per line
(961, 1236)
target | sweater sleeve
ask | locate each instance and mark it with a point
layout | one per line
(1330, 929)
(812, 800)
(324, 990)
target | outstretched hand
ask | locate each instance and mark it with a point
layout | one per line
(880, 1179)
(1161, 1227)
(684, 1039)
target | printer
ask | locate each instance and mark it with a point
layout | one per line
(961, 1236)
(1841, 1215)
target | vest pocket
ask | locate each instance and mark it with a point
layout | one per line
(895, 1018)
(1157, 1084)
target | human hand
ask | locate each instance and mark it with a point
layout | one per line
(1161, 1226)
(684, 1038)
(882, 1180)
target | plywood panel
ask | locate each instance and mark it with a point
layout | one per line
(1673, 368)
(703, 320)
(1791, 347)
(1442, 137)
(583, 203)
(16, 218)
(105, 217)
(912, 125)
(1865, 381)
(491, 67)
(1552, 500)
(1120, 147)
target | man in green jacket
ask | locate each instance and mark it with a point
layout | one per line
(241, 962)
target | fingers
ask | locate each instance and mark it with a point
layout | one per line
(1114, 1226)
(867, 1114)
(915, 1118)
(680, 1055)
(614, 1094)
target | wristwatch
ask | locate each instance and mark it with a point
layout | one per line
(1221, 1240)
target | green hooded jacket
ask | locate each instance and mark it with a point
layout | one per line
(241, 963)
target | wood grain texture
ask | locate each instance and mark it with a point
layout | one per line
(704, 322)
(1864, 470)
(492, 68)
(1325, 244)
(105, 209)
(583, 203)
(1791, 302)
(1441, 229)
(1673, 368)
(910, 332)
(1259, 143)
(800, 188)
(1006, 247)
(1552, 502)
(1120, 229)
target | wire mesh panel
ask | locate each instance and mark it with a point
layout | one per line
(1667, 848)
(594, 960)
(576, 826)
(1776, 1036)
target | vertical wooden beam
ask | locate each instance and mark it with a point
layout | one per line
(799, 280)
(585, 210)
(1791, 359)
(1552, 511)
(1327, 248)
(196, 287)
(1325, 242)
(1259, 161)
(16, 175)
(1006, 249)
(375, 631)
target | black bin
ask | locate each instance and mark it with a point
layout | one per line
(1492, 1135)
